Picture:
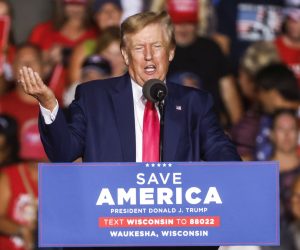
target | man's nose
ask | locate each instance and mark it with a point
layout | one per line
(148, 53)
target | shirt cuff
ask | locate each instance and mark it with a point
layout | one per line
(49, 116)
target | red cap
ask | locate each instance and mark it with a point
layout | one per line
(75, 1)
(31, 145)
(183, 11)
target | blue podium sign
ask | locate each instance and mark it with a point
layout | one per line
(159, 204)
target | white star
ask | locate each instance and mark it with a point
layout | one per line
(170, 164)
(158, 164)
(164, 165)
(153, 165)
(147, 165)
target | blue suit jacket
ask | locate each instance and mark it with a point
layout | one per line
(101, 128)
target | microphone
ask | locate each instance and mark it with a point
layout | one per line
(155, 90)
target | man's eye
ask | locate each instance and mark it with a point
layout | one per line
(138, 48)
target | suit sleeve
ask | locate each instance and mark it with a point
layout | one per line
(63, 140)
(215, 143)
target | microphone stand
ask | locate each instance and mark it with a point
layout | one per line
(161, 108)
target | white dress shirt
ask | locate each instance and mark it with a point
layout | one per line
(139, 102)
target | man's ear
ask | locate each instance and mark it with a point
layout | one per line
(125, 56)
(171, 54)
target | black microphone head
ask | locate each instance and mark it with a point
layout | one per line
(155, 90)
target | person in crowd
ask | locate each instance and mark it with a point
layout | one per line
(199, 61)
(16, 103)
(257, 56)
(9, 141)
(109, 47)
(243, 133)
(7, 47)
(277, 89)
(295, 210)
(288, 44)
(107, 14)
(284, 136)
(276, 85)
(95, 67)
(288, 229)
(19, 193)
(70, 26)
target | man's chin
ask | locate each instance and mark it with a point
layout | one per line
(149, 78)
(141, 81)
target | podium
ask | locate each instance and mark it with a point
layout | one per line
(158, 204)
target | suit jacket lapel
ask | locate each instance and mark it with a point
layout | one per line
(174, 117)
(124, 111)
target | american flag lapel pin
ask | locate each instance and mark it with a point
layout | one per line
(178, 107)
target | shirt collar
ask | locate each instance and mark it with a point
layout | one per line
(137, 91)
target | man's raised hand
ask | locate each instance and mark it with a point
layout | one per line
(33, 85)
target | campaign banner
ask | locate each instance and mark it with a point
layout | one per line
(258, 22)
(158, 204)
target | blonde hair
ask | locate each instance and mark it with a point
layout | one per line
(137, 22)
(257, 56)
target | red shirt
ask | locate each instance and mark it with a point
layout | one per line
(289, 55)
(21, 207)
(45, 36)
(40, 31)
(22, 111)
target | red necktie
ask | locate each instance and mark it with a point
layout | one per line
(151, 129)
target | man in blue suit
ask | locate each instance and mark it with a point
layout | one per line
(106, 115)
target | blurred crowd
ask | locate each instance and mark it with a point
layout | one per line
(246, 53)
